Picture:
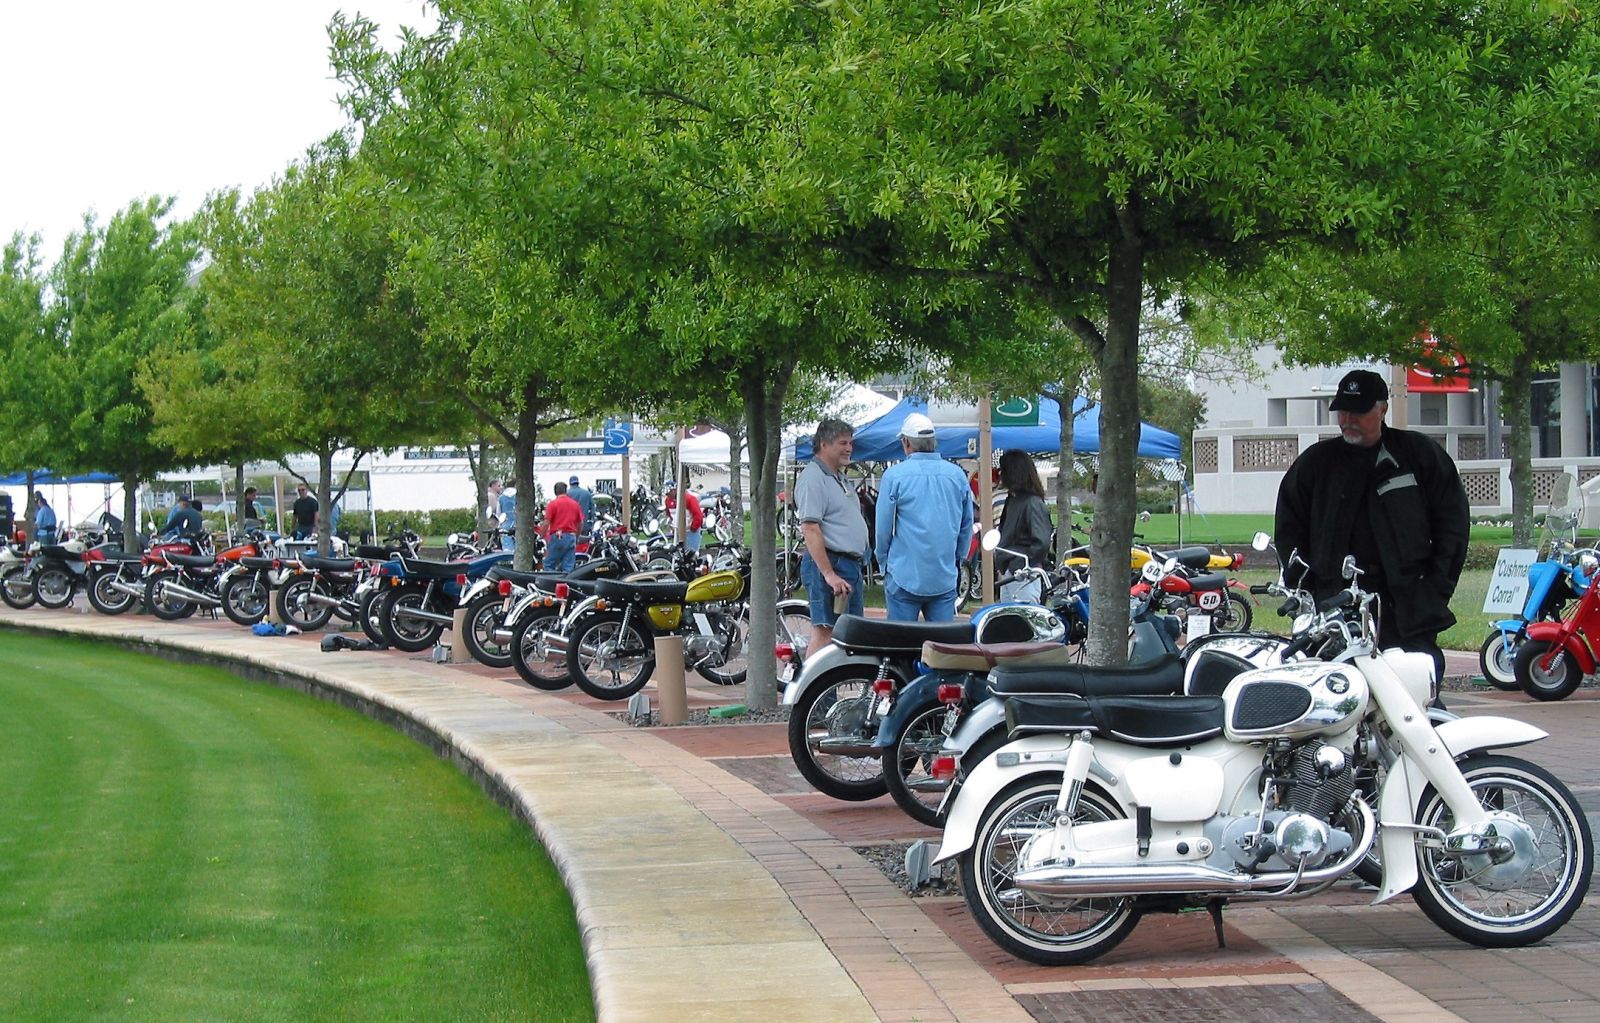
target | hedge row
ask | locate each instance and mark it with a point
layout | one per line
(437, 522)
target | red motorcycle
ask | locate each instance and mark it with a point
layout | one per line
(1556, 656)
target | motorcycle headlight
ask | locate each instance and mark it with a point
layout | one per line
(1588, 562)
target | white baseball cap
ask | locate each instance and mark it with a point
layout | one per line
(916, 425)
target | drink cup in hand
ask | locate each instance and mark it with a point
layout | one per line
(840, 602)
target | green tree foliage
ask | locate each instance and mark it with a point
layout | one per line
(30, 418)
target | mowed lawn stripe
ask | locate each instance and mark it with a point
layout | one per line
(177, 843)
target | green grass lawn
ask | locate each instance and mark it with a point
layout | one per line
(1471, 627)
(178, 844)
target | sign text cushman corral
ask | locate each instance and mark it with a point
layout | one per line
(1508, 583)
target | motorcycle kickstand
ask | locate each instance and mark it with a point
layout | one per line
(1214, 907)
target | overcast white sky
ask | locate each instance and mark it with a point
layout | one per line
(106, 101)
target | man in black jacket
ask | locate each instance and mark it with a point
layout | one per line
(1391, 498)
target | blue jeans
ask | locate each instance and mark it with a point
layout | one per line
(905, 607)
(560, 552)
(821, 597)
(691, 539)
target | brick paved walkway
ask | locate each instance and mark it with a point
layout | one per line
(666, 790)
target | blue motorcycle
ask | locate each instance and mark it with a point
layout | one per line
(1552, 583)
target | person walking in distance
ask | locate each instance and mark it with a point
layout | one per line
(562, 517)
(585, 499)
(503, 514)
(924, 523)
(692, 511)
(833, 530)
(1024, 526)
(1393, 499)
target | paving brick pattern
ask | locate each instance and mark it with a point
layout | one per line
(1234, 1004)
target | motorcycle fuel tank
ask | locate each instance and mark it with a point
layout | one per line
(1293, 700)
(725, 585)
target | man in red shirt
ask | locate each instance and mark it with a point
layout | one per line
(562, 517)
(697, 518)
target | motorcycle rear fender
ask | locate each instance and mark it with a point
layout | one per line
(974, 725)
(829, 658)
(988, 779)
(1562, 633)
(585, 606)
(475, 587)
(1401, 798)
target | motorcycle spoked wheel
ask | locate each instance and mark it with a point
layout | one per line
(1497, 659)
(910, 758)
(16, 589)
(294, 607)
(1532, 893)
(245, 598)
(794, 628)
(367, 617)
(1048, 930)
(728, 664)
(1235, 614)
(412, 635)
(105, 598)
(165, 607)
(485, 612)
(836, 705)
(1557, 682)
(539, 669)
(608, 660)
(54, 586)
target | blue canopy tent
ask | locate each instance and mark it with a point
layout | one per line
(879, 439)
(47, 477)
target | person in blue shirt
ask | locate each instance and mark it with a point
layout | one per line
(924, 524)
(335, 513)
(505, 509)
(44, 519)
(585, 499)
(184, 518)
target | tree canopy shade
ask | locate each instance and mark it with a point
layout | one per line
(31, 416)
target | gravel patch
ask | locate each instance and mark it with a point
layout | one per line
(890, 858)
(778, 715)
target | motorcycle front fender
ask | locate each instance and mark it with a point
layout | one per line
(1562, 634)
(816, 665)
(1400, 802)
(475, 587)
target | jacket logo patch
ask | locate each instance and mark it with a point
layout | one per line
(1404, 480)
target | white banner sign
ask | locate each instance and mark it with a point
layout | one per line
(1508, 583)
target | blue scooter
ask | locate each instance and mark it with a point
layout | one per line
(1551, 584)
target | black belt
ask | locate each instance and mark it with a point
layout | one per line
(842, 554)
(562, 532)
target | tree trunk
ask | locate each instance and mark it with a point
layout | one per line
(130, 512)
(764, 390)
(28, 509)
(1516, 399)
(736, 443)
(1112, 535)
(325, 501)
(478, 464)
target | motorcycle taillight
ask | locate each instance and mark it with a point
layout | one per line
(562, 589)
(461, 579)
(783, 651)
(950, 692)
(276, 564)
(943, 768)
(505, 587)
(883, 686)
(1238, 562)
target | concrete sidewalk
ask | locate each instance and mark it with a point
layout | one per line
(711, 884)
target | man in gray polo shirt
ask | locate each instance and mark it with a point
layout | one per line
(834, 529)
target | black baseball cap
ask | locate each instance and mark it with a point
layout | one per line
(1359, 390)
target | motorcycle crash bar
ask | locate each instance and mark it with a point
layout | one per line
(1189, 878)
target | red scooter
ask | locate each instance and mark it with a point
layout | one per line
(1557, 655)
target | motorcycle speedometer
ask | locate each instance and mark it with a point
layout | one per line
(1302, 622)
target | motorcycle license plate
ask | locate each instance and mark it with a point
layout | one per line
(787, 674)
(883, 706)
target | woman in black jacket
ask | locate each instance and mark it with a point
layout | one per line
(1024, 525)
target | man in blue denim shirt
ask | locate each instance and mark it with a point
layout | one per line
(924, 527)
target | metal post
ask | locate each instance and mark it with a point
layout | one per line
(985, 495)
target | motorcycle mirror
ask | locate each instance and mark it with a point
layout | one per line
(991, 539)
(1349, 569)
(1261, 541)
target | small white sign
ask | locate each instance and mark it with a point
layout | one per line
(1198, 625)
(1508, 583)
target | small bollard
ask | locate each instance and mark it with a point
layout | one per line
(458, 651)
(671, 689)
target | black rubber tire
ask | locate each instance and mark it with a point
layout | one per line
(246, 597)
(585, 647)
(16, 589)
(1002, 912)
(105, 599)
(733, 633)
(294, 610)
(54, 586)
(367, 617)
(919, 741)
(1559, 682)
(545, 674)
(1560, 831)
(163, 608)
(1499, 664)
(853, 779)
(484, 615)
(1235, 614)
(413, 635)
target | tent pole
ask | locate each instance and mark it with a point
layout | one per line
(985, 496)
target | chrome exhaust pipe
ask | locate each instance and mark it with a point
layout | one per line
(131, 589)
(192, 596)
(553, 643)
(427, 616)
(1098, 880)
(313, 597)
(847, 746)
(501, 636)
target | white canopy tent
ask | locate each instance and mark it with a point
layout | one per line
(854, 404)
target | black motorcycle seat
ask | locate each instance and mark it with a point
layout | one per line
(647, 593)
(329, 564)
(858, 633)
(499, 572)
(192, 560)
(1160, 677)
(1158, 721)
(371, 552)
(59, 553)
(1207, 581)
(251, 561)
(433, 569)
(1188, 557)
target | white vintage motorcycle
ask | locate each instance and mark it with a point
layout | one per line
(1102, 809)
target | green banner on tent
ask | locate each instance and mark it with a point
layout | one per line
(1015, 412)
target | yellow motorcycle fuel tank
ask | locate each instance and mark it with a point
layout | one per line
(724, 585)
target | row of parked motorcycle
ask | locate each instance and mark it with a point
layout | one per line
(1244, 765)
(593, 627)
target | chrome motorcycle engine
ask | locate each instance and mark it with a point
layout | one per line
(1308, 786)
